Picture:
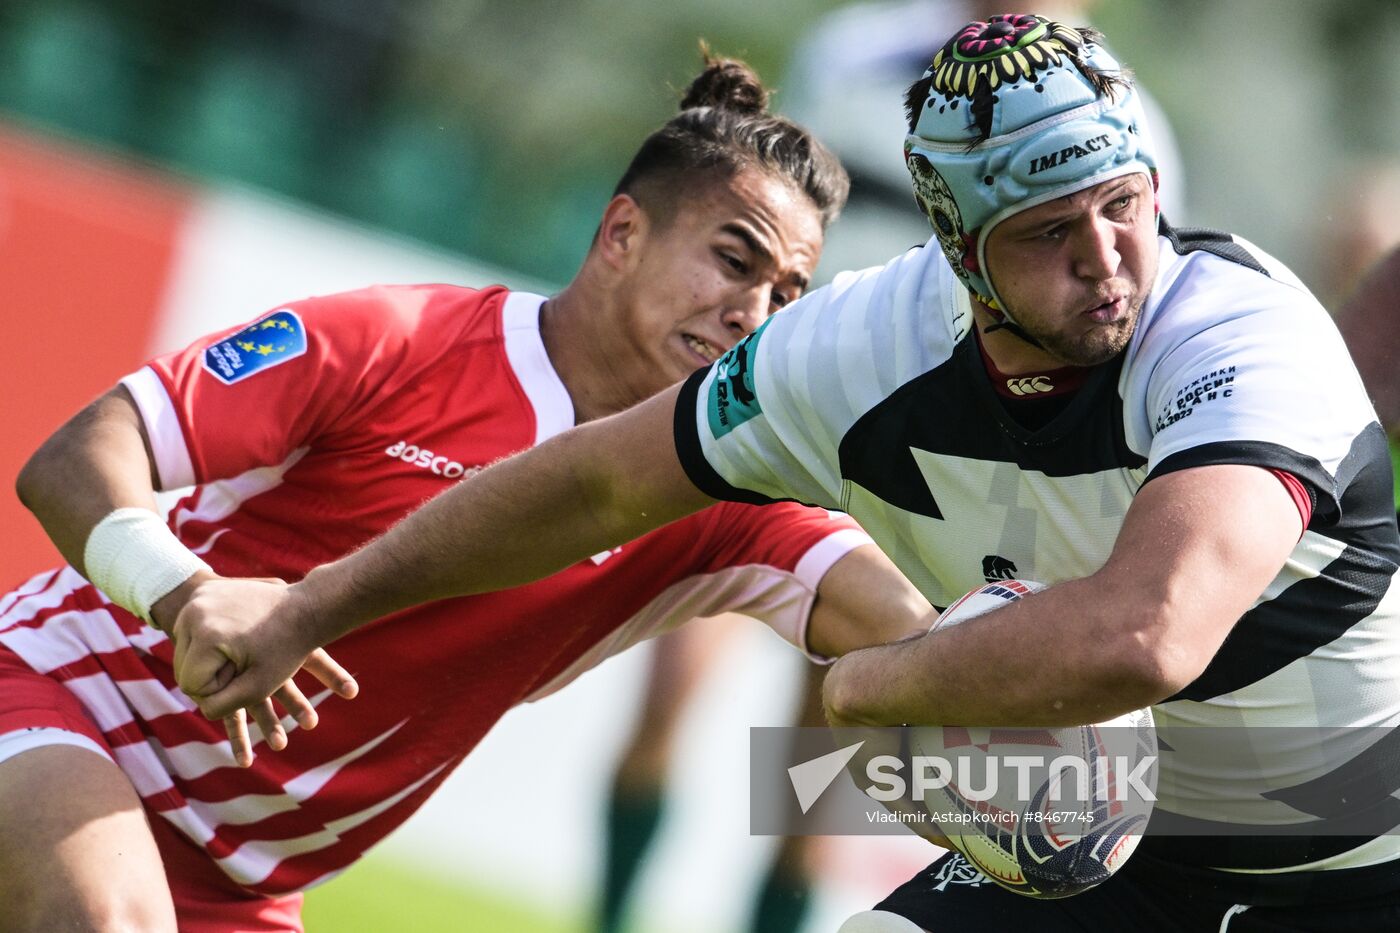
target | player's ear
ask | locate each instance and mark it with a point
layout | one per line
(622, 231)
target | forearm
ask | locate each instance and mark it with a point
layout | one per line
(94, 464)
(97, 463)
(522, 519)
(1138, 630)
(862, 601)
(1061, 657)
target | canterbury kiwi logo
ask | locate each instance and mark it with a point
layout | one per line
(1030, 385)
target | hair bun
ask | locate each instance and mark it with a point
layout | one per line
(726, 83)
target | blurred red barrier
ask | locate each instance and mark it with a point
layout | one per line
(86, 244)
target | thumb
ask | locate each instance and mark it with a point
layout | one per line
(235, 692)
(202, 670)
(220, 679)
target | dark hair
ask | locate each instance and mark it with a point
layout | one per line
(724, 126)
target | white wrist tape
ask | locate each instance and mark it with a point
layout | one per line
(135, 559)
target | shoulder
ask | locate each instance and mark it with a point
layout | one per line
(1227, 271)
(1217, 289)
(1210, 246)
(816, 366)
(877, 327)
(1233, 350)
(403, 327)
(406, 310)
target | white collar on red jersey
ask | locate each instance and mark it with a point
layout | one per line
(520, 323)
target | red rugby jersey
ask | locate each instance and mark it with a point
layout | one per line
(305, 434)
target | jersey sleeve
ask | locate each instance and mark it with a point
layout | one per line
(791, 548)
(735, 434)
(1269, 384)
(764, 423)
(253, 396)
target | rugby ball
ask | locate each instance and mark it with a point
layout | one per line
(1047, 813)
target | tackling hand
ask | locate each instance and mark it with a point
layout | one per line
(236, 648)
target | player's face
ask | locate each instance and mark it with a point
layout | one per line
(731, 255)
(1074, 272)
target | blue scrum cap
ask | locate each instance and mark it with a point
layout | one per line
(1014, 112)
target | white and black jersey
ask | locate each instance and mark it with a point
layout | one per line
(869, 396)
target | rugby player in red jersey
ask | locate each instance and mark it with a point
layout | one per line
(309, 432)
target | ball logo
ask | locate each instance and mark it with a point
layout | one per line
(958, 870)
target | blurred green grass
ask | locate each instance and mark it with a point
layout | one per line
(381, 895)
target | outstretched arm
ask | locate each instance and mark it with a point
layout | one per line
(862, 601)
(1196, 549)
(100, 461)
(589, 489)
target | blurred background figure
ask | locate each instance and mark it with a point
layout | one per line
(210, 157)
(637, 797)
(1361, 209)
(1369, 319)
(1360, 281)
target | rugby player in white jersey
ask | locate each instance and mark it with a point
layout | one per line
(312, 430)
(1163, 424)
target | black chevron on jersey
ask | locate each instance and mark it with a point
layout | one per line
(1354, 802)
(953, 410)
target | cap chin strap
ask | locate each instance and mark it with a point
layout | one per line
(1012, 327)
(1004, 321)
